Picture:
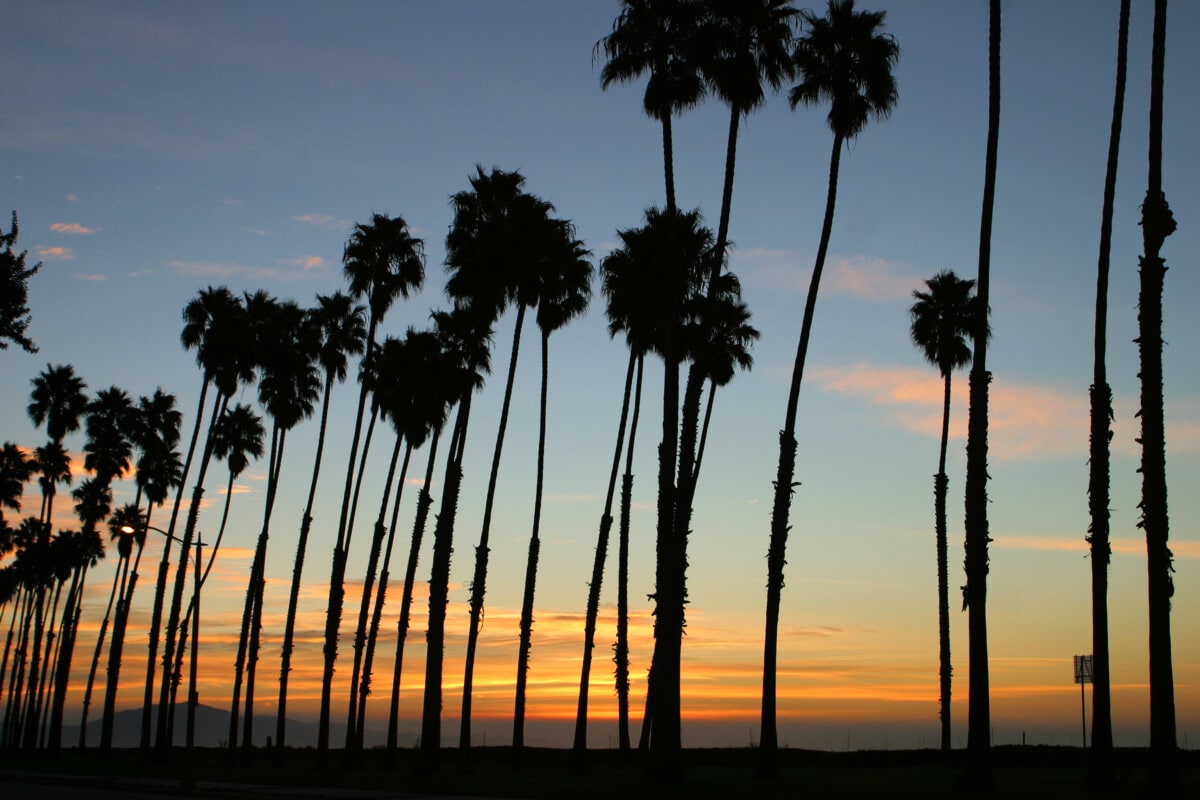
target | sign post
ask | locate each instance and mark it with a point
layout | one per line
(1083, 675)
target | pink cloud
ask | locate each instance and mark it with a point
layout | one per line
(55, 253)
(73, 228)
(864, 277)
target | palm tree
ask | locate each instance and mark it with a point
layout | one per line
(564, 295)
(1100, 395)
(126, 526)
(1157, 224)
(108, 451)
(288, 388)
(979, 776)
(342, 327)
(159, 470)
(844, 58)
(58, 400)
(16, 469)
(942, 318)
(414, 399)
(14, 288)
(466, 334)
(213, 323)
(660, 37)
(493, 260)
(382, 261)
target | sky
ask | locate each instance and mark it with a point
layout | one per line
(154, 149)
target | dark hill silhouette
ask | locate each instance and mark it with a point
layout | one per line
(212, 730)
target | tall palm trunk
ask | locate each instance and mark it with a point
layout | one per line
(621, 646)
(768, 765)
(117, 647)
(354, 739)
(337, 569)
(940, 485)
(364, 689)
(535, 545)
(479, 579)
(424, 501)
(1157, 224)
(118, 579)
(259, 587)
(708, 409)
(257, 565)
(1101, 772)
(164, 733)
(979, 774)
(593, 601)
(160, 586)
(289, 629)
(439, 590)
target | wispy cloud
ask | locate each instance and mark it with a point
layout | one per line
(55, 253)
(229, 269)
(322, 221)
(1025, 422)
(73, 228)
(72, 197)
(864, 277)
(1129, 545)
(305, 262)
(94, 277)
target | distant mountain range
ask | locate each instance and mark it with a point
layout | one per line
(212, 730)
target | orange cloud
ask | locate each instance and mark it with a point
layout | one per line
(306, 262)
(864, 277)
(322, 221)
(55, 253)
(73, 228)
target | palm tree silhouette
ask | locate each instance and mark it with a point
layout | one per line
(209, 327)
(417, 403)
(382, 261)
(288, 388)
(108, 451)
(662, 38)
(16, 469)
(564, 292)
(1101, 772)
(942, 318)
(979, 775)
(466, 334)
(343, 330)
(1157, 224)
(492, 258)
(126, 525)
(159, 470)
(58, 400)
(846, 59)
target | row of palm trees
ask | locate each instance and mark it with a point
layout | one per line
(669, 292)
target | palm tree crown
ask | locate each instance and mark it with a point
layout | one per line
(844, 58)
(751, 43)
(58, 400)
(383, 261)
(942, 319)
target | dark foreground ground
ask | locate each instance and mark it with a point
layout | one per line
(1024, 772)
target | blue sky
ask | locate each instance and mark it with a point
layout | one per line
(154, 149)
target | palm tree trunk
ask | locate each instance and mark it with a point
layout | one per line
(668, 163)
(1157, 224)
(1100, 769)
(535, 545)
(335, 585)
(116, 649)
(940, 485)
(87, 693)
(289, 629)
(593, 602)
(621, 647)
(424, 501)
(160, 586)
(979, 774)
(353, 735)
(439, 590)
(479, 580)
(768, 765)
(256, 566)
(712, 393)
(164, 733)
(380, 597)
(259, 587)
